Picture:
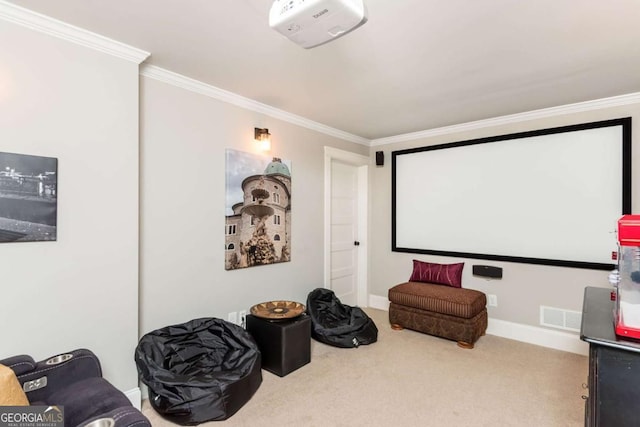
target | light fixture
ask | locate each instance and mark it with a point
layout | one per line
(263, 138)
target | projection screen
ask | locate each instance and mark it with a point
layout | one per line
(549, 197)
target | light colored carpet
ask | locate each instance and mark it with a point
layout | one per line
(412, 379)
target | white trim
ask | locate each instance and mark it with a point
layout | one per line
(193, 85)
(347, 156)
(363, 231)
(45, 24)
(135, 397)
(539, 336)
(362, 163)
(381, 303)
(579, 107)
(145, 391)
(327, 218)
(557, 340)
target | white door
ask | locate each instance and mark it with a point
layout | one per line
(344, 232)
(345, 223)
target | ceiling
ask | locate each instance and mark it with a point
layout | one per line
(415, 65)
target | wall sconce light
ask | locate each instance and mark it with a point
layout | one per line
(263, 138)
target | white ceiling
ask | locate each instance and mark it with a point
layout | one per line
(416, 65)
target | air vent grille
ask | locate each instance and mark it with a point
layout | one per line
(559, 318)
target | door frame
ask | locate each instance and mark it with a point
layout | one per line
(362, 163)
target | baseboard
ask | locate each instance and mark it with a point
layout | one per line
(381, 303)
(134, 397)
(557, 340)
(145, 391)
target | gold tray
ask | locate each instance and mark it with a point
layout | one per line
(277, 310)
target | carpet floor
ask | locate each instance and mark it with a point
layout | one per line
(412, 379)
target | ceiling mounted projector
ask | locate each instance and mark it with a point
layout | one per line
(311, 23)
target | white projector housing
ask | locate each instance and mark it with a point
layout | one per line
(311, 23)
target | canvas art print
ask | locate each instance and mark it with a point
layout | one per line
(28, 198)
(258, 210)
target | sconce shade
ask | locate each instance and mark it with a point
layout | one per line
(263, 137)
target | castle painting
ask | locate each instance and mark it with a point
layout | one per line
(258, 210)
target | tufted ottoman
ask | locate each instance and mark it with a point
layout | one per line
(454, 313)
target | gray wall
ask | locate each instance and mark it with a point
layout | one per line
(183, 140)
(524, 287)
(62, 100)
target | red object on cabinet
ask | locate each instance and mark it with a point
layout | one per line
(629, 230)
(627, 313)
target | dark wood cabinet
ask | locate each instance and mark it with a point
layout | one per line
(614, 366)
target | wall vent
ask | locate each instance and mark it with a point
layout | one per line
(559, 318)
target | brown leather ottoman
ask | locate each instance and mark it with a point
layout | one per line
(454, 313)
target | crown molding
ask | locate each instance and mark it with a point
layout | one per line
(193, 85)
(197, 86)
(598, 104)
(21, 16)
(44, 24)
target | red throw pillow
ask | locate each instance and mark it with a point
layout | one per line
(443, 274)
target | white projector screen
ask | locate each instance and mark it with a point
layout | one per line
(551, 197)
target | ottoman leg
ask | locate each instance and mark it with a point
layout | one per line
(466, 345)
(396, 327)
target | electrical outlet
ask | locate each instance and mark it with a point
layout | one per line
(242, 318)
(233, 317)
(492, 300)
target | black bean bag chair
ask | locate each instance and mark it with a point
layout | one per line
(202, 370)
(337, 324)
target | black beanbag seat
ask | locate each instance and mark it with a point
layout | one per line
(202, 370)
(337, 324)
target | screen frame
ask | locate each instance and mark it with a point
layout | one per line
(625, 177)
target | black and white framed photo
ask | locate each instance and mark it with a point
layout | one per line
(28, 198)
